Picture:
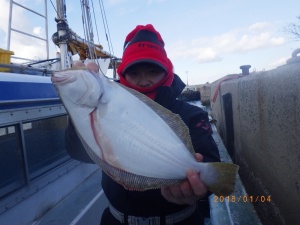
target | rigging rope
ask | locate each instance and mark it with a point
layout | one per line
(54, 8)
(106, 29)
(95, 22)
(100, 70)
(88, 29)
(89, 35)
(87, 26)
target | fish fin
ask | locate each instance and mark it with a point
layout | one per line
(173, 120)
(220, 177)
(130, 181)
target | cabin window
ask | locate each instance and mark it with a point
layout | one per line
(29, 150)
(44, 143)
(12, 174)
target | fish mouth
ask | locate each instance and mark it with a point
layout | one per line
(62, 78)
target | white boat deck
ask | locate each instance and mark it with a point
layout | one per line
(82, 206)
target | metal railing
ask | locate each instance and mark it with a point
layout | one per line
(10, 28)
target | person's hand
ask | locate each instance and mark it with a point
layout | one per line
(91, 66)
(189, 191)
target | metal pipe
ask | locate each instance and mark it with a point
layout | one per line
(30, 35)
(9, 24)
(62, 31)
(46, 26)
(23, 68)
(29, 9)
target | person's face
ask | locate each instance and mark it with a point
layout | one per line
(144, 75)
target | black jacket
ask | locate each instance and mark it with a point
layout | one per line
(151, 203)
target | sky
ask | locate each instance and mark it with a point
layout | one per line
(205, 40)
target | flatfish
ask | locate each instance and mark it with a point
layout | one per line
(136, 141)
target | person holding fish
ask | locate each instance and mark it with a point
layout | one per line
(146, 68)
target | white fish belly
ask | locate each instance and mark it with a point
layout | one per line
(82, 122)
(132, 137)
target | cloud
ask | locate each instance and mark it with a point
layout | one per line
(39, 31)
(261, 26)
(4, 20)
(28, 47)
(249, 42)
(278, 62)
(239, 41)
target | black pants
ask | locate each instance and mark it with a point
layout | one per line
(195, 219)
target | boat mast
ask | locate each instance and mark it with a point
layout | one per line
(62, 27)
(70, 43)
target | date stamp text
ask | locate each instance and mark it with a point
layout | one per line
(243, 198)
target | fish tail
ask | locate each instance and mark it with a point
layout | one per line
(220, 177)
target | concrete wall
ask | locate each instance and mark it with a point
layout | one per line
(266, 124)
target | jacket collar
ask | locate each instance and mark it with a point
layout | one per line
(166, 96)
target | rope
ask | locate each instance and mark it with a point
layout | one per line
(87, 27)
(100, 70)
(95, 22)
(106, 29)
(54, 8)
